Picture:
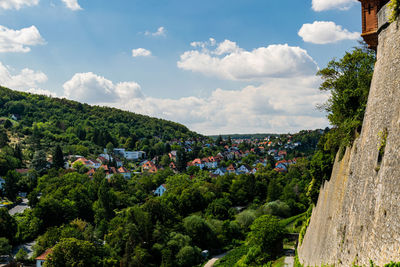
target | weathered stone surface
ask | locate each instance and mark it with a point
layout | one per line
(383, 16)
(357, 217)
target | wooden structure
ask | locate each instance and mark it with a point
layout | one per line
(370, 9)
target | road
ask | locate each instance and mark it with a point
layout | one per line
(20, 207)
(289, 259)
(211, 262)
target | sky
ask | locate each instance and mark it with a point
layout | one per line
(216, 66)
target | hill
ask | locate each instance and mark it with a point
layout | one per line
(43, 122)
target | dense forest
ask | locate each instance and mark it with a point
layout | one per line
(44, 122)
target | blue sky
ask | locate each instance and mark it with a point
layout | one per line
(221, 66)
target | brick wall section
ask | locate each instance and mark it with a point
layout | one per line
(357, 217)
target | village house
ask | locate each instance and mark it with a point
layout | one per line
(244, 169)
(231, 169)
(124, 172)
(172, 155)
(92, 164)
(149, 166)
(160, 190)
(129, 155)
(220, 171)
(42, 258)
(2, 182)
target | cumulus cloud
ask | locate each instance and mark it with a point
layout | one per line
(17, 4)
(280, 105)
(273, 107)
(141, 52)
(283, 101)
(72, 4)
(39, 91)
(228, 61)
(23, 80)
(94, 89)
(325, 32)
(26, 80)
(19, 40)
(161, 32)
(322, 5)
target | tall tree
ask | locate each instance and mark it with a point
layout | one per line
(3, 137)
(58, 158)
(181, 160)
(11, 184)
(348, 80)
(39, 162)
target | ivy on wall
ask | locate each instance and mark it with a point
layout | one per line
(395, 6)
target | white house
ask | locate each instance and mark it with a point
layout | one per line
(2, 182)
(243, 169)
(160, 190)
(281, 166)
(129, 155)
(220, 172)
(124, 172)
(42, 258)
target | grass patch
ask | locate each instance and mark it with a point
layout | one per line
(279, 262)
(232, 257)
(293, 224)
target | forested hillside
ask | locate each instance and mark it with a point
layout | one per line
(45, 122)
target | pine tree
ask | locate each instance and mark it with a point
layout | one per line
(58, 158)
(181, 160)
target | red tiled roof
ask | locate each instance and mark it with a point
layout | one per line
(122, 170)
(22, 171)
(44, 255)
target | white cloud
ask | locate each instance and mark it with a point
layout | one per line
(229, 61)
(41, 92)
(325, 32)
(322, 5)
(17, 4)
(72, 4)
(161, 32)
(280, 105)
(141, 52)
(93, 89)
(19, 40)
(227, 47)
(273, 107)
(284, 100)
(24, 80)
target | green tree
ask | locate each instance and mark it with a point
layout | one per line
(200, 231)
(5, 247)
(73, 252)
(265, 240)
(58, 158)
(110, 148)
(181, 160)
(11, 184)
(21, 255)
(188, 256)
(8, 225)
(39, 162)
(348, 80)
(3, 137)
(8, 124)
(165, 161)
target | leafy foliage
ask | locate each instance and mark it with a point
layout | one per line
(348, 79)
(395, 6)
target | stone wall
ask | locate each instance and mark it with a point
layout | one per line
(357, 218)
